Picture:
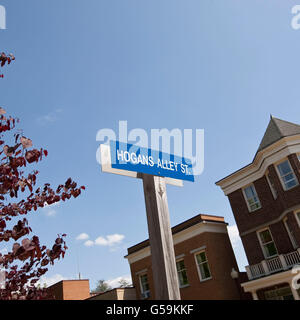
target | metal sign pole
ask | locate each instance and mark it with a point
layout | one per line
(161, 241)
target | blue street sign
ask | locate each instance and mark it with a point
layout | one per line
(130, 157)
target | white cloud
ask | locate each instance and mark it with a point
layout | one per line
(55, 204)
(49, 209)
(89, 243)
(4, 250)
(82, 236)
(114, 283)
(109, 240)
(51, 213)
(234, 235)
(49, 117)
(49, 281)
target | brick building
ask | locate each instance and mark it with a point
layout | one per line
(204, 259)
(70, 290)
(265, 200)
(80, 290)
(115, 294)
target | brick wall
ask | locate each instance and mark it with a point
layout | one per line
(116, 294)
(271, 210)
(70, 290)
(221, 260)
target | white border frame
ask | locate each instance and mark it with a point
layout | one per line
(261, 244)
(245, 197)
(106, 167)
(185, 285)
(296, 216)
(272, 188)
(198, 269)
(287, 228)
(141, 287)
(279, 176)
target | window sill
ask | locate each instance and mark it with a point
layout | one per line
(145, 296)
(252, 211)
(185, 286)
(297, 185)
(272, 257)
(204, 280)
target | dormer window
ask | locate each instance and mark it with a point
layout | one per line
(251, 198)
(287, 175)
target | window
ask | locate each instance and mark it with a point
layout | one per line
(267, 243)
(290, 233)
(279, 294)
(145, 289)
(182, 275)
(251, 198)
(287, 175)
(203, 267)
(271, 185)
(298, 217)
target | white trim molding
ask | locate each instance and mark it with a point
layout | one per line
(269, 223)
(257, 169)
(269, 281)
(188, 233)
(198, 249)
(297, 216)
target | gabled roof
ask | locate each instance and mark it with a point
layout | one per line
(276, 130)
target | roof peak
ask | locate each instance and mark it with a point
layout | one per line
(276, 130)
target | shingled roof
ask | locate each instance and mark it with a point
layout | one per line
(276, 130)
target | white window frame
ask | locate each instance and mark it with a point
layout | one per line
(198, 268)
(262, 244)
(184, 285)
(272, 187)
(144, 294)
(279, 175)
(246, 199)
(297, 213)
(289, 231)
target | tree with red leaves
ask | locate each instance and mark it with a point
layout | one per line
(5, 59)
(28, 259)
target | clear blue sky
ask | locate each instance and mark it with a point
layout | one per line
(223, 66)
